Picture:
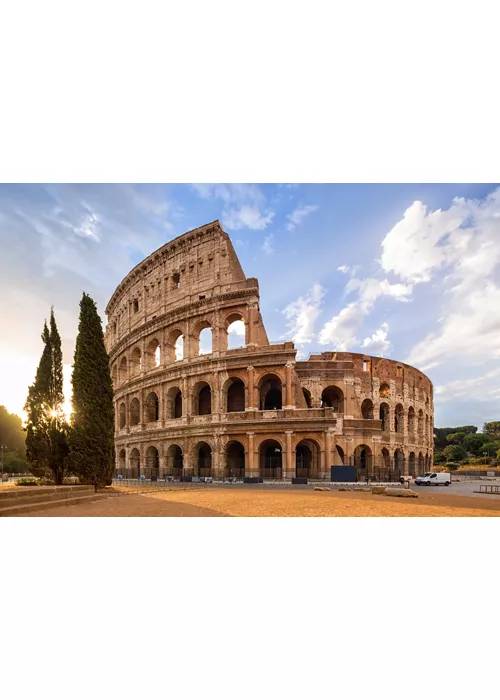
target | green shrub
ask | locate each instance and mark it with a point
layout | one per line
(28, 481)
(451, 466)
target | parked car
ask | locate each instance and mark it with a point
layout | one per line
(434, 479)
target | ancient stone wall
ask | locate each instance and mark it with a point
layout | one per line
(252, 410)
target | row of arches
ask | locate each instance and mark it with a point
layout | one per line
(307, 460)
(391, 461)
(201, 343)
(417, 423)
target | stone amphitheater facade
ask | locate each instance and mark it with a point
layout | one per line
(254, 410)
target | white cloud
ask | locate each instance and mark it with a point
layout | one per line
(340, 331)
(299, 214)
(301, 315)
(378, 344)
(464, 241)
(343, 268)
(244, 205)
(483, 388)
(267, 246)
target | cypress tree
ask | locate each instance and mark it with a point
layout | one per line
(46, 430)
(92, 432)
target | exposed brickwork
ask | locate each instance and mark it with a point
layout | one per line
(193, 416)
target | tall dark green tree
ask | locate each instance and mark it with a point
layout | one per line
(47, 429)
(92, 445)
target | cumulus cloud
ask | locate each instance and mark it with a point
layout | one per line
(343, 268)
(299, 214)
(340, 331)
(244, 205)
(378, 343)
(460, 249)
(482, 388)
(301, 315)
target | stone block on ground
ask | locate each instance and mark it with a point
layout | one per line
(402, 493)
(345, 488)
(321, 488)
(379, 489)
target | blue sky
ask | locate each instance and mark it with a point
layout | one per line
(407, 271)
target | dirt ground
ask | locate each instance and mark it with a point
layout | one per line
(209, 502)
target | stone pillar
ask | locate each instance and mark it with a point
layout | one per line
(251, 325)
(289, 460)
(289, 402)
(186, 400)
(250, 467)
(251, 390)
(348, 400)
(328, 452)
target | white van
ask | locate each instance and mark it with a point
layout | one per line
(434, 479)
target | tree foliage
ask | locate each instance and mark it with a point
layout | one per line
(455, 438)
(46, 428)
(454, 453)
(11, 432)
(492, 429)
(92, 433)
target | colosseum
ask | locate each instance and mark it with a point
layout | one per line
(251, 411)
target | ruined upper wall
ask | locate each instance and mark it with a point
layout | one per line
(197, 265)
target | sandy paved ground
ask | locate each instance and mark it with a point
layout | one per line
(207, 502)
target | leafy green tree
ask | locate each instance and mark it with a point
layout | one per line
(454, 453)
(474, 443)
(46, 428)
(468, 429)
(455, 438)
(92, 446)
(492, 429)
(11, 432)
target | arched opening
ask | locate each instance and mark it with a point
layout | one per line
(386, 459)
(426, 429)
(270, 393)
(235, 454)
(135, 463)
(421, 465)
(135, 362)
(270, 460)
(122, 370)
(384, 416)
(420, 426)
(399, 418)
(201, 339)
(152, 408)
(235, 396)
(340, 459)
(202, 399)
(307, 397)
(236, 334)
(384, 391)
(204, 459)
(122, 416)
(205, 342)
(399, 461)
(333, 397)
(367, 409)
(175, 461)
(135, 306)
(135, 412)
(232, 333)
(363, 461)
(152, 463)
(114, 375)
(153, 354)
(411, 420)
(307, 459)
(411, 464)
(174, 347)
(174, 402)
(122, 463)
